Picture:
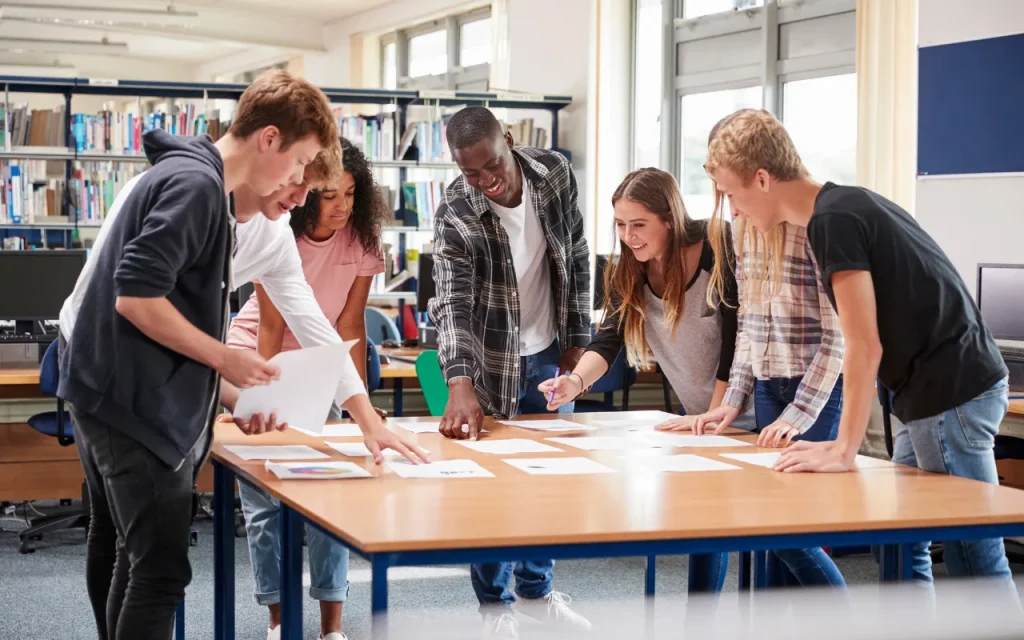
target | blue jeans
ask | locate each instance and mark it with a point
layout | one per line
(533, 577)
(328, 558)
(958, 442)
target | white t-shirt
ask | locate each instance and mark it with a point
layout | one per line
(530, 258)
(266, 252)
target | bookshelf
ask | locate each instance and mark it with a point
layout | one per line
(60, 126)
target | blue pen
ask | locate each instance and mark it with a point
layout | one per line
(551, 396)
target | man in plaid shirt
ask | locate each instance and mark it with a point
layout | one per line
(512, 309)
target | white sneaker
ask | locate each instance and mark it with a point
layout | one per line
(553, 609)
(274, 634)
(334, 635)
(501, 627)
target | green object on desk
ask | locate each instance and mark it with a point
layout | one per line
(435, 389)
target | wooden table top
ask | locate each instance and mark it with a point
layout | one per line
(1017, 408)
(390, 513)
(19, 376)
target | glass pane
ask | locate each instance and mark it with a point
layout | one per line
(389, 67)
(821, 117)
(475, 43)
(647, 70)
(698, 113)
(697, 8)
(428, 54)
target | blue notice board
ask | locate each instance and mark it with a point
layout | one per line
(971, 107)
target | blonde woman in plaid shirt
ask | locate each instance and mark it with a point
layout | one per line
(789, 352)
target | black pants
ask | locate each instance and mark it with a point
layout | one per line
(137, 564)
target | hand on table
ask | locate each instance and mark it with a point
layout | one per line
(255, 425)
(566, 389)
(827, 457)
(682, 423)
(714, 421)
(777, 434)
(462, 409)
(380, 437)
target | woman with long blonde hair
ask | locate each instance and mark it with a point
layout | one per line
(657, 301)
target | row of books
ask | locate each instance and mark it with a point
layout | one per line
(373, 135)
(423, 199)
(121, 133)
(36, 128)
(31, 196)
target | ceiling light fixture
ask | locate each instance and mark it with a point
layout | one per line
(32, 45)
(98, 16)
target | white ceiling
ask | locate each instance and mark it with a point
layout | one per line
(224, 28)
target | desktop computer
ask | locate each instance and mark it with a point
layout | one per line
(33, 287)
(425, 290)
(1000, 296)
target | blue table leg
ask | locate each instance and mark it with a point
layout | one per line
(761, 570)
(889, 562)
(179, 622)
(649, 575)
(398, 397)
(291, 574)
(744, 571)
(223, 553)
(379, 597)
(906, 562)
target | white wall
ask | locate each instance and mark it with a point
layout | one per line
(973, 218)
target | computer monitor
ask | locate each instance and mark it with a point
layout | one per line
(425, 289)
(1001, 299)
(34, 284)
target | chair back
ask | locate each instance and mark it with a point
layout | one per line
(435, 389)
(372, 367)
(619, 376)
(49, 371)
(380, 326)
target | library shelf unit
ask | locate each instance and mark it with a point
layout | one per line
(401, 101)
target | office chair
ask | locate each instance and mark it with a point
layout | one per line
(435, 389)
(619, 377)
(56, 424)
(380, 326)
(372, 366)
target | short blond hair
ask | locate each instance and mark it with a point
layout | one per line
(752, 139)
(326, 168)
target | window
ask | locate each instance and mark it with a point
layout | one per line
(698, 8)
(389, 66)
(698, 114)
(821, 117)
(475, 43)
(428, 54)
(647, 70)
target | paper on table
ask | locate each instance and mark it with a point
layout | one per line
(417, 427)
(635, 420)
(359, 450)
(334, 431)
(686, 462)
(317, 470)
(690, 440)
(769, 458)
(558, 466)
(302, 396)
(608, 443)
(441, 469)
(512, 445)
(548, 425)
(276, 452)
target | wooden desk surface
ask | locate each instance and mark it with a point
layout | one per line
(389, 513)
(19, 376)
(397, 368)
(1017, 408)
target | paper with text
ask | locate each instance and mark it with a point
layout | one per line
(685, 462)
(548, 425)
(276, 452)
(510, 446)
(558, 466)
(303, 395)
(690, 440)
(334, 431)
(609, 443)
(317, 470)
(441, 469)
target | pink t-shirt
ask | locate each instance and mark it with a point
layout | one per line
(331, 267)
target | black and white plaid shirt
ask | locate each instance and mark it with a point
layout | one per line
(476, 308)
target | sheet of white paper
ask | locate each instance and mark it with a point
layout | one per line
(276, 452)
(769, 458)
(685, 462)
(635, 420)
(558, 466)
(512, 445)
(548, 425)
(608, 443)
(417, 427)
(441, 469)
(302, 396)
(317, 470)
(359, 450)
(334, 431)
(690, 440)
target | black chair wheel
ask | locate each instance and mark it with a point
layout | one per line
(25, 548)
(193, 538)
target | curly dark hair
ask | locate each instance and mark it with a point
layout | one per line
(369, 211)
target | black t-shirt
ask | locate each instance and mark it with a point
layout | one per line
(936, 351)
